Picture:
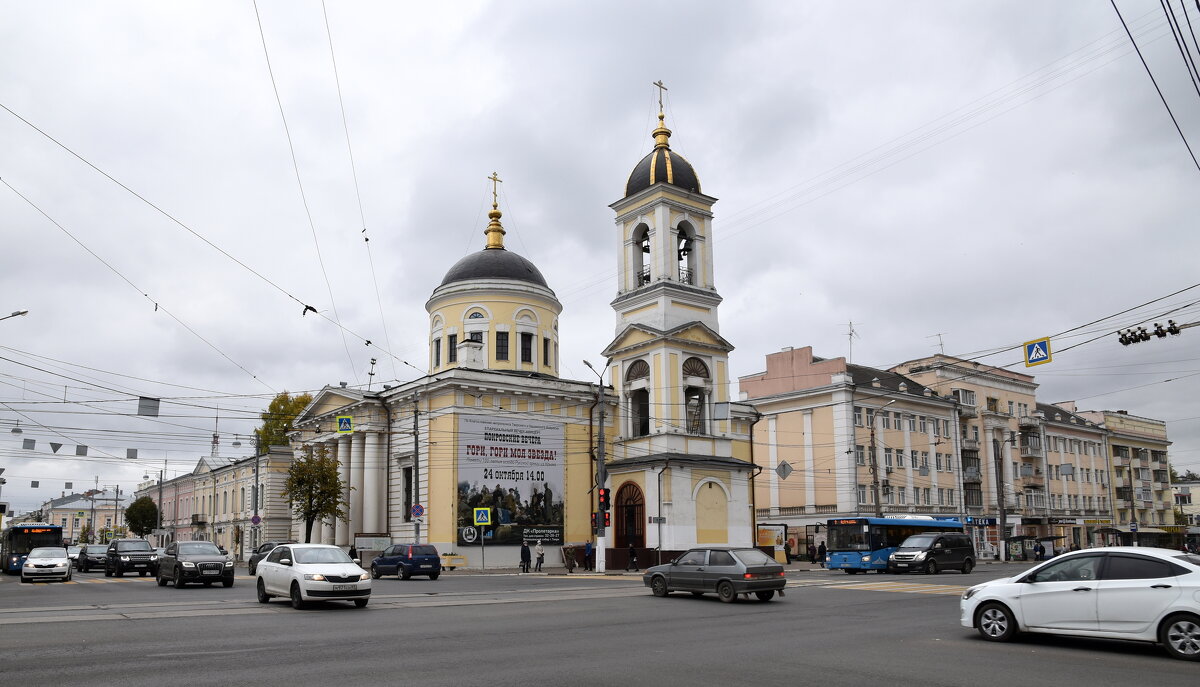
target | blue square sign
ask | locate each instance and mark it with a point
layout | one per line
(1037, 352)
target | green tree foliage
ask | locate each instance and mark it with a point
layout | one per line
(278, 417)
(142, 516)
(85, 535)
(314, 489)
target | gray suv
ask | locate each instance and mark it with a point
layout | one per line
(933, 552)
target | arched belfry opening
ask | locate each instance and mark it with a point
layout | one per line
(687, 253)
(641, 255)
(697, 381)
(629, 516)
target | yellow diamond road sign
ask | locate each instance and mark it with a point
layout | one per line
(483, 516)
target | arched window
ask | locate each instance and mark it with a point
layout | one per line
(639, 399)
(641, 253)
(630, 507)
(687, 254)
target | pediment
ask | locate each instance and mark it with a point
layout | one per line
(692, 333)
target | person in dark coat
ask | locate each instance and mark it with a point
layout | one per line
(821, 551)
(632, 562)
(587, 555)
(812, 553)
(525, 557)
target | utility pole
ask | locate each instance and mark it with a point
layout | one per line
(417, 470)
(875, 461)
(601, 469)
(161, 474)
(94, 508)
(1000, 505)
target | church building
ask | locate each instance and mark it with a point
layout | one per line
(493, 426)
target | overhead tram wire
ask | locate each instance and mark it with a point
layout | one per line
(357, 191)
(303, 196)
(157, 305)
(1183, 7)
(1156, 88)
(1180, 42)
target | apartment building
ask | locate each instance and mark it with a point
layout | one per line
(76, 513)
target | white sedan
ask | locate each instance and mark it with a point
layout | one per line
(312, 572)
(1135, 593)
(46, 563)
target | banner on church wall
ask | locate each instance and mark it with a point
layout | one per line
(515, 467)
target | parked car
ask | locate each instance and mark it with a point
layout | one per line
(46, 563)
(130, 555)
(1134, 593)
(312, 572)
(261, 553)
(933, 552)
(406, 560)
(91, 556)
(194, 561)
(725, 571)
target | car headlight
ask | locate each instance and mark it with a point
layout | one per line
(920, 555)
(314, 576)
(866, 558)
(189, 564)
(365, 576)
(971, 591)
(154, 557)
(125, 558)
(228, 564)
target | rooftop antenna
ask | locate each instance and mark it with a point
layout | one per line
(941, 344)
(851, 335)
(371, 374)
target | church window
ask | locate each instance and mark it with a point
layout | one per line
(452, 348)
(694, 409)
(437, 352)
(638, 369)
(639, 406)
(475, 336)
(526, 348)
(545, 350)
(475, 316)
(501, 345)
(694, 367)
(641, 243)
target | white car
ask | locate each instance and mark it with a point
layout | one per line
(1121, 592)
(312, 572)
(46, 563)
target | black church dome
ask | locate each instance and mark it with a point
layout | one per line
(495, 263)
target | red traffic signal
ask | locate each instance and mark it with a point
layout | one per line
(607, 519)
(602, 494)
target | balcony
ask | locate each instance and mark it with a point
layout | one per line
(1034, 480)
(1031, 451)
(970, 444)
(199, 519)
(972, 475)
(965, 411)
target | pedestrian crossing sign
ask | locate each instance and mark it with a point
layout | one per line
(345, 424)
(1037, 352)
(483, 516)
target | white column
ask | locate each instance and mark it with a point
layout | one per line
(324, 527)
(356, 482)
(372, 481)
(342, 527)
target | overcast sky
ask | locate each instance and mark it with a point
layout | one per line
(963, 175)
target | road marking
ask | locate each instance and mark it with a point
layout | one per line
(905, 588)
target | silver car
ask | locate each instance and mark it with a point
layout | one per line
(46, 563)
(725, 571)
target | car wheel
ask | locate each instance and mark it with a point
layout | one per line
(968, 566)
(24, 580)
(995, 622)
(107, 572)
(68, 576)
(374, 572)
(659, 586)
(251, 566)
(227, 583)
(263, 596)
(162, 581)
(1180, 636)
(405, 575)
(434, 576)
(361, 603)
(765, 596)
(297, 598)
(931, 568)
(179, 579)
(725, 592)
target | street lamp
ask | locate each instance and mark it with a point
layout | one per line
(16, 313)
(875, 460)
(601, 471)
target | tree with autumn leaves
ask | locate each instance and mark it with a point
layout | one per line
(315, 489)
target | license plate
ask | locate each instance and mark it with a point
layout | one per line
(427, 565)
(902, 565)
(139, 565)
(210, 572)
(345, 587)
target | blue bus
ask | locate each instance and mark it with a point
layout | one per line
(18, 540)
(856, 544)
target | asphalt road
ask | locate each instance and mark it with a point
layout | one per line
(497, 630)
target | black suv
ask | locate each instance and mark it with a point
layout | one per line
(91, 556)
(130, 555)
(194, 561)
(406, 560)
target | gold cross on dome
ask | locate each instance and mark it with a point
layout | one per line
(661, 89)
(495, 180)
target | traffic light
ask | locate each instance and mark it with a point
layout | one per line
(602, 493)
(593, 521)
(1136, 335)
(607, 519)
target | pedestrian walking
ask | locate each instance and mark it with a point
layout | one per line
(632, 563)
(587, 555)
(821, 551)
(353, 552)
(812, 553)
(541, 555)
(524, 556)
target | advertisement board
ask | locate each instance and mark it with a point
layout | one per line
(514, 466)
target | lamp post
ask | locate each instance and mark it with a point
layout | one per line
(16, 313)
(601, 471)
(875, 461)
